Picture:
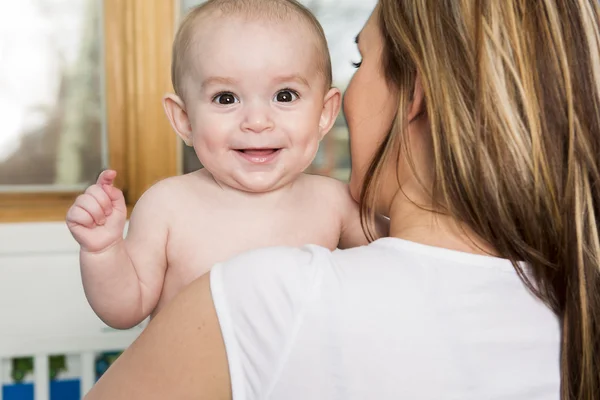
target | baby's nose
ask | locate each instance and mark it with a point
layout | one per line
(257, 118)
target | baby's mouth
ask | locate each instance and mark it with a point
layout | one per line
(258, 152)
(259, 155)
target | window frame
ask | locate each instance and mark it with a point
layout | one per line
(138, 36)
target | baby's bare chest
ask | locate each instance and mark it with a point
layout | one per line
(200, 239)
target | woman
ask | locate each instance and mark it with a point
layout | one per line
(475, 126)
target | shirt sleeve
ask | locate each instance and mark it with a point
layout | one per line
(260, 297)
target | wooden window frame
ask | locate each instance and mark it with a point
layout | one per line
(138, 36)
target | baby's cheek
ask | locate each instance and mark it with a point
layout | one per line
(213, 133)
(305, 129)
(209, 146)
(211, 140)
(308, 149)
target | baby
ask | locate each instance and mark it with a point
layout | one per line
(253, 97)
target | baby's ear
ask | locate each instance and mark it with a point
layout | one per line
(331, 109)
(175, 110)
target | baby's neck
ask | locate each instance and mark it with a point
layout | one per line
(267, 198)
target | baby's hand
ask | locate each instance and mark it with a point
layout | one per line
(97, 218)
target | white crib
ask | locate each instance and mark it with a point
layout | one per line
(43, 310)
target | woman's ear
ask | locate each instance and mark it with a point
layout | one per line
(417, 105)
(331, 109)
(175, 110)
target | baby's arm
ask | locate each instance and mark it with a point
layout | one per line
(352, 234)
(122, 278)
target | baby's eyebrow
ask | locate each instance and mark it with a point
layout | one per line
(216, 80)
(292, 78)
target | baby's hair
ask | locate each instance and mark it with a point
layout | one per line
(273, 10)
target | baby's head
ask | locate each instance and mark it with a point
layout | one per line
(253, 94)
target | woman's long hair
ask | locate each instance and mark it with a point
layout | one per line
(512, 92)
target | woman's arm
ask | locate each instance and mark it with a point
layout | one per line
(180, 355)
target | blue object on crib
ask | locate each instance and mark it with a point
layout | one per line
(18, 391)
(59, 390)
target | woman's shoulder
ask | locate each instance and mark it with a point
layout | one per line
(303, 264)
(268, 270)
(259, 297)
(288, 277)
(295, 264)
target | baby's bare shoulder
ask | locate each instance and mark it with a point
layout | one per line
(327, 186)
(173, 191)
(328, 194)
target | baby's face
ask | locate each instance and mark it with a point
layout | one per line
(254, 97)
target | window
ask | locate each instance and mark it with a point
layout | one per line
(81, 83)
(52, 135)
(342, 20)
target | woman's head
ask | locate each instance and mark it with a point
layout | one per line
(511, 147)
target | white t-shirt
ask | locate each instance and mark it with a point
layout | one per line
(391, 320)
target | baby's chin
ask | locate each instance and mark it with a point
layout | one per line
(258, 182)
(263, 185)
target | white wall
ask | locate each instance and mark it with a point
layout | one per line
(42, 305)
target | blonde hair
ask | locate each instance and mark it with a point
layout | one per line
(272, 10)
(512, 92)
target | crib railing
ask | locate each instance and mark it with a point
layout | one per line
(42, 348)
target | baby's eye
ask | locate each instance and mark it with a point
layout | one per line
(225, 99)
(357, 64)
(286, 96)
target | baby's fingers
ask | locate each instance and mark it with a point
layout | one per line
(106, 177)
(101, 197)
(78, 216)
(91, 205)
(117, 199)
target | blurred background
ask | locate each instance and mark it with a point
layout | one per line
(81, 83)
